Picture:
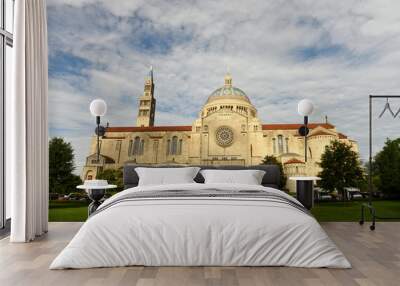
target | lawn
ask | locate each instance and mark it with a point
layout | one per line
(68, 211)
(351, 211)
(324, 211)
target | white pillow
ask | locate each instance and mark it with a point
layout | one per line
(166, 176)
(248, 177)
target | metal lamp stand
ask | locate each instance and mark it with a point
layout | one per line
(100, 131)
(304, 185)
(369, 205)
(305, 138)
(98, 139)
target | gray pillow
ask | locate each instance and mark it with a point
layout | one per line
(248, 177)
(166, 176)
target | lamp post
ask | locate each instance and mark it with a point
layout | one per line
(98, 108)
(304, 184)
(305, 108)
(96, 189)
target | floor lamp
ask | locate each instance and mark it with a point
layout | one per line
(394, 115)
(98, 108)
(305, 108)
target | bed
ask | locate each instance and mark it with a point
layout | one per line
(197, 224)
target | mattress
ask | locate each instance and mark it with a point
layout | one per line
(201, 225)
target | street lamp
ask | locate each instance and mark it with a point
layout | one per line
(305, 108)
(98, 108)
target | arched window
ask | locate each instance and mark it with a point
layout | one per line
(155, 150)
(141, 148)
(180, 147)
(174, 146)
(136, 146)
(168, 146)
(89, 175)
(280, 144)
(130, 147)
(274, 144)
(287, 144)
(118, 145)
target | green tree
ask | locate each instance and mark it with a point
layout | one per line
(272, 160)
(61, 167)
(341, 168)
(386, 167)
(375, 177)
(113, 177)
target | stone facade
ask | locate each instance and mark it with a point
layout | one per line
(227, 132)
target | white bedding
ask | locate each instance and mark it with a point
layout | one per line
(200, 231)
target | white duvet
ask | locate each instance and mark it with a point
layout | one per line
(200, 231)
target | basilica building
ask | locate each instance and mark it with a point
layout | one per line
(226, 132)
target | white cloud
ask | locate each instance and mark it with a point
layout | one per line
(335, 53)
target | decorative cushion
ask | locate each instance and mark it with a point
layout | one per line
(248, 177)
(163, 176)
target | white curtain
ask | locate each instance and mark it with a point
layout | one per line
(26, 124)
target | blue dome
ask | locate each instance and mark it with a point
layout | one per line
(228, 90)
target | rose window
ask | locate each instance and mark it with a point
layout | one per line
(224, 136)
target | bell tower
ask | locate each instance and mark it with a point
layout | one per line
(147, 103)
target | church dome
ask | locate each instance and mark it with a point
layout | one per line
(228, 91)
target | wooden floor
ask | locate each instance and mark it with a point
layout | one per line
(375, 257)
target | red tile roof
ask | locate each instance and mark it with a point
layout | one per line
(295, 126)
(149, 129)
(321, 132)
(294, 161)
(342, 136)
(189, 128)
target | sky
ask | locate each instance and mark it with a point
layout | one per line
(334, 53)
